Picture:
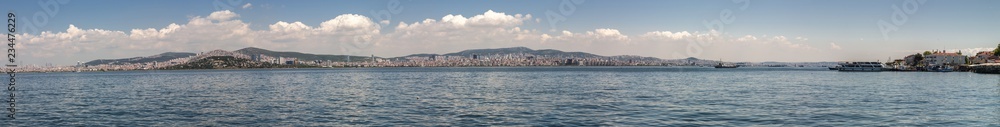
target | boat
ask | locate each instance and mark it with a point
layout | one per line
(861, 67)
(834, 68)
(777, 65)
(899, 68)
(725, 65)
(940, 69)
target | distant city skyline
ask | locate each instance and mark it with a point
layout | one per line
(64, 32)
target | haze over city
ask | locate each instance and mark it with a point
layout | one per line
(64, 32)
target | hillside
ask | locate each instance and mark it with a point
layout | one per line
(246, 53)
(154, 58)
(513, 50)
(228, 62)
(301, 56)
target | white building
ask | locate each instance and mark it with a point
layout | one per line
(944, 58)
(984, 57)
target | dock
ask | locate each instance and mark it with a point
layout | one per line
(987, 68)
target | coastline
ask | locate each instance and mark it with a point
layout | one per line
(498, 67)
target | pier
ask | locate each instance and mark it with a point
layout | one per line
(988, 68)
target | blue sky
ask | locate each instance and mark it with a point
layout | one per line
(785, 30)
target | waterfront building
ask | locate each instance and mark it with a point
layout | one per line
(943, 58)
(911, 60)
(255, 58)
(985, 57)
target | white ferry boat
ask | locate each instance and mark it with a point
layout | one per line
(861, 66)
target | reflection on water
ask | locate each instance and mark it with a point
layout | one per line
(533, 96)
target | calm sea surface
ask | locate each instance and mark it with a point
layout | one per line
(527, 96)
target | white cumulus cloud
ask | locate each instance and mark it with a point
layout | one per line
(223, 15)
(219, 30)
(247, 6)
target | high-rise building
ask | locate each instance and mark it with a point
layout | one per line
(255, 58)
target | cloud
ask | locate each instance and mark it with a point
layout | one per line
(355, 34)
(965, 51)
(968, 51)
(350, 24)
(667, 35)
(491, 18)
(488, 29)
(834, 46)
(223, 15)
(597, 36)
(801, 38)
(282, 26)
(608, 33)
(344, 34)
(219, 30)
(247, 6)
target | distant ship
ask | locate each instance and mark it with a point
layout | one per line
(725, 65)
(777, 65)
(861, 66)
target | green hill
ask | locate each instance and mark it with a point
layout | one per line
(155, 58)
(301, 56)
(228, 62)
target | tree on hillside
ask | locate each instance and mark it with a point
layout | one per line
(929, 52)
(968, 60)
(996, 52)
(917, 58)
